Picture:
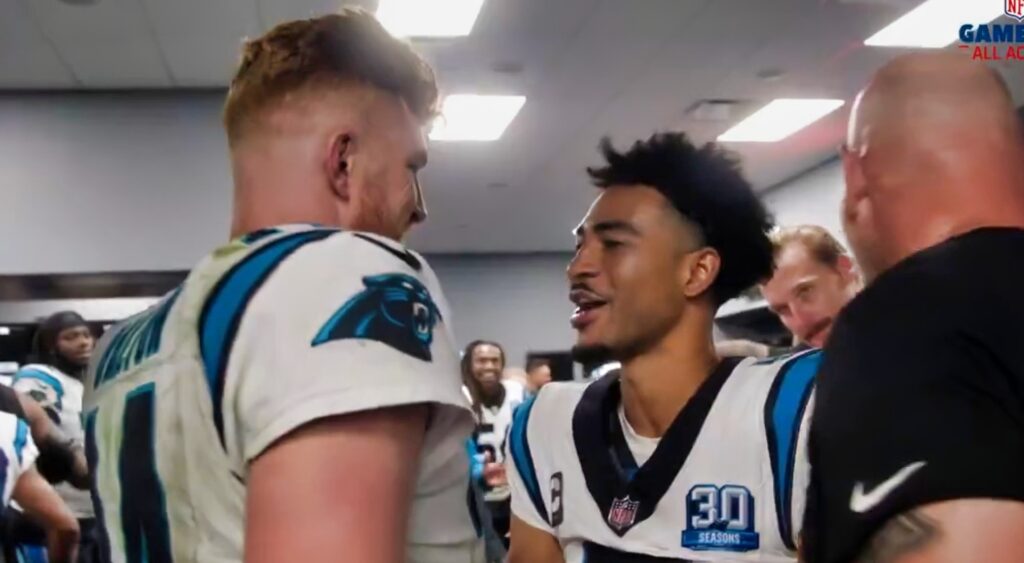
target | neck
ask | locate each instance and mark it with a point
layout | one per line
(267, 195)
(986, 207)
(68, 367)
(657, 385)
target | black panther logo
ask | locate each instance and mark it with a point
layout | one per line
(395, 309)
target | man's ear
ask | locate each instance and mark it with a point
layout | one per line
(338, 165)
(699, 271)
(854, 178)
(847, 269)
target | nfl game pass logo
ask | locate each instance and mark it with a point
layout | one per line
(720, 519)
(1014, 9)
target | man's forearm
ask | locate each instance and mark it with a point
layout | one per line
(62, 546)
(59, 460)
(905, 534)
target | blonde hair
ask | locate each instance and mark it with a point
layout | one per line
(817, 240)
(348, 47)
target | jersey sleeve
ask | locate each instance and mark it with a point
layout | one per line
(42, 386)
(801, 474)
(19, 451)
(25, 450)
(340, 324)
(528, 502)
(787, 422)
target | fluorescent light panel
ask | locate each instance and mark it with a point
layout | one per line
(779, 119)
(934, 24)
(471, 117)
(428, 18)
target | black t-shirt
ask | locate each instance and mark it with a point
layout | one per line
(920, 396)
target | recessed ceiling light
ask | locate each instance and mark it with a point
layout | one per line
(714, 110)
(934, 24)
(472, 117)
(507, 67)
(428, 18)
(779, 119)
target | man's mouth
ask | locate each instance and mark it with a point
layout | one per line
(817, 330)
(588, 305)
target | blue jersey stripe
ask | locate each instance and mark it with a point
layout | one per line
(519, 447)
(476, 466)
(784, 411)
(226, 304)
(32, 373)
(92, 459)
(20, 439)
(135, 342)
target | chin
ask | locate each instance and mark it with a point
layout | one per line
(592, 354)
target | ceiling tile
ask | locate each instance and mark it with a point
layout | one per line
(27, 60)
(109, 44)
(202, 39)
(273, 12)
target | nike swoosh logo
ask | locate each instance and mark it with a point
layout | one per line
(861, 501)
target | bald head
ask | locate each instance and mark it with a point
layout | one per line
(920, 103)
(935, 150)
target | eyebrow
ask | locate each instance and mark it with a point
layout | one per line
(610, 226)
(803, 282)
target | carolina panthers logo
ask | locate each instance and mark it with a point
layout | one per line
(394, 309)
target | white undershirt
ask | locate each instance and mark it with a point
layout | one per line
(641, 447)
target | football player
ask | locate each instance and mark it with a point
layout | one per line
(62, 346)
(298, 397)
(679, 454)
(494, 399)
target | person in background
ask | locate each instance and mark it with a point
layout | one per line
(538, 374)
(62, 347)
(917, 432)
(494, 401)
(297, 398)
(60, 458)
(814, 279)
(22, 483)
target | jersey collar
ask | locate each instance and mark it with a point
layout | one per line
(625, 493)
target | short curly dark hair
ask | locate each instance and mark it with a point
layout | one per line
(706, 186)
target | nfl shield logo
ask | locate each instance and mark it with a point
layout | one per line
(1014, 9)
(622, 513)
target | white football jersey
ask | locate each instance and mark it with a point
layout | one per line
(62, 394)
(276, 329)
(492, 430)
(726, 482)
(17, 453)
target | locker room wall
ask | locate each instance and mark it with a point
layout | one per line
(811, 198)
(79, 173)
(83, 172)
(520, 301)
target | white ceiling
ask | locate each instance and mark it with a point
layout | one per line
(589, 68)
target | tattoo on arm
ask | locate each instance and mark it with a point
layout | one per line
(907, 533)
